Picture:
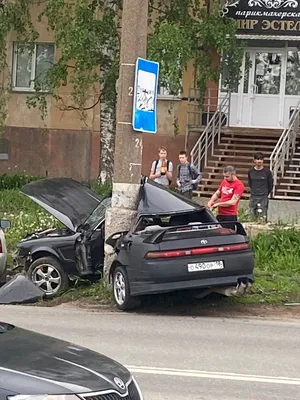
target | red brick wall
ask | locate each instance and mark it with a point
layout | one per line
(43, 152)
(64, 153)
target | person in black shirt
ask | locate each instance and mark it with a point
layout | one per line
(260, 181)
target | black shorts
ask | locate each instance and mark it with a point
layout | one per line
(238, 228)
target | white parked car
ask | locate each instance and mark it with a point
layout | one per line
(4, 224)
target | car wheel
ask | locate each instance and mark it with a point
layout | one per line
(3, 277)
(49, 276)
(121, 291)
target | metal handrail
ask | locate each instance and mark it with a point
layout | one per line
(205, 145)
(285, 147)
(201, 106)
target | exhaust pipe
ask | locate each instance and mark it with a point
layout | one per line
(243, 287)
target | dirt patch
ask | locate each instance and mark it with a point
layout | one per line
(217, 309)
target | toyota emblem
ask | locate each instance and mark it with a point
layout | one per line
(119, 383)
(203, 241)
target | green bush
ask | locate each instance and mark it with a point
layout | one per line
(277, 260)
(25, 216)
(8, 182)
(278, 250)
(244, 215)
(102, 190)
(13, 202)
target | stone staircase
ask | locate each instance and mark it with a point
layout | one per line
(237, 147)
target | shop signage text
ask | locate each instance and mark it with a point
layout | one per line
(273, 17)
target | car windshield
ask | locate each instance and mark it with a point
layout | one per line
(4, 327)
(98, 214)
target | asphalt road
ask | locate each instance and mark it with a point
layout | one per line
(183, 358)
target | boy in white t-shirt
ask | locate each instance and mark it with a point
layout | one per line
(162, 169)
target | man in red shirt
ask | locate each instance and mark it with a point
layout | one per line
(227, 197)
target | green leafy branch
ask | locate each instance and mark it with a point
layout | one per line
(185, 30)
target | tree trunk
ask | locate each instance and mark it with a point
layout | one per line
(107, 143)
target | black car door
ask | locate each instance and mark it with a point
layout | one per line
(96, 244)
(90, 245)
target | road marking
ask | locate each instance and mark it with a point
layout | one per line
(214, 375)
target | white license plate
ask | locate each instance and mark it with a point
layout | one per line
(206, 266)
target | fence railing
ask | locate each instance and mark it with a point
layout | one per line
(285, 147)
(201, 107)
(211, 135)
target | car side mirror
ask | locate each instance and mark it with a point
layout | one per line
(113, 238)
(5, 224)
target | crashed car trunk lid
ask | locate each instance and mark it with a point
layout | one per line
(205, 243)
(66, 199)
(157, 200)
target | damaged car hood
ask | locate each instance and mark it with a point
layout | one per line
(67, 200)
(48, 365)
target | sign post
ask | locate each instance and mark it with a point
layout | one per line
(144, 116)
(129, 145)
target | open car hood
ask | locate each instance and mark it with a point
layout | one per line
(67, 200)
(72, 203)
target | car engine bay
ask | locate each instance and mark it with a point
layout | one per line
(50, 232)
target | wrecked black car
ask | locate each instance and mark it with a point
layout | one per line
(52, 256)
(174, 244)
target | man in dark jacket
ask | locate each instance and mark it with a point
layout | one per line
(188, 177)
(260, 181)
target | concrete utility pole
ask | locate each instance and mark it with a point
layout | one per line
(129, 144)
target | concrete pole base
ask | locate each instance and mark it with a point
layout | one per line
(120, 217)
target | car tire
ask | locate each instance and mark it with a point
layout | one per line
(3, 278)
(121, 291)
(49, 276)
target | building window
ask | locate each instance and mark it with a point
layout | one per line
(292, 86)
(163, 91)
(225, 80)
(30, 65)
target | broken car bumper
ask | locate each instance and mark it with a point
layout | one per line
(159, 276)
(19, 259)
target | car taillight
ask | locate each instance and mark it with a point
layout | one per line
(197, 251)
(1, 248)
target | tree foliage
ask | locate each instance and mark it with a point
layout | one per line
(188, 30)
(87, 37)
(86, 34)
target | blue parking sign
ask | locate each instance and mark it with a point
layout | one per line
(145, 96)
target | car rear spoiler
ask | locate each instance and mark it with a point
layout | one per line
(158, 235)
